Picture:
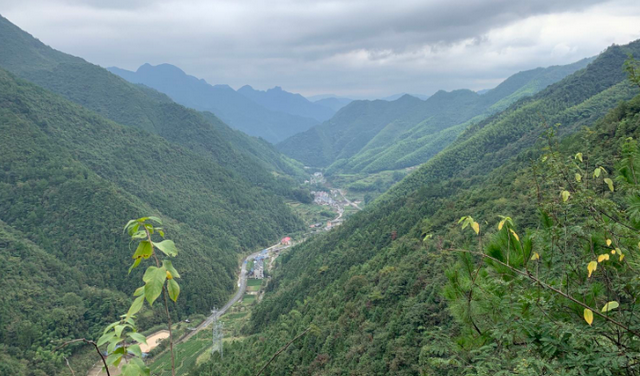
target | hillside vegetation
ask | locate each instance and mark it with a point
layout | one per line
(388, 293)
(374, 136)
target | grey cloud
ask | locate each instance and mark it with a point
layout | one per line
(358, 47)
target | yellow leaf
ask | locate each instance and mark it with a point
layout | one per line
(515, 235)
(169, 276)
(608, 242)
(500, 225)
(578, 177)
(621, 257)
(609, 183)
(613, 251)
(592, 267)
(609, 306)
(476, 227)
(588, 316)
(565, 195)
(579, 156)
(535, 256)
(602, 257)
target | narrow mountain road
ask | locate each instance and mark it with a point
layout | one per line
(242, 286)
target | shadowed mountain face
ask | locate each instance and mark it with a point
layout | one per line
(276, 99)
(372, 136)
(230, 106)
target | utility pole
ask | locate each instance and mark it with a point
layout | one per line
(217, 334)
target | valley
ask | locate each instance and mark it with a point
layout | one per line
(202, 207)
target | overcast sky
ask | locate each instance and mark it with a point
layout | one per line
(357, 48)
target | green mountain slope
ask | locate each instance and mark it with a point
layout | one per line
(70, 178)
(232, 107)
(371, 290)
(415, 134)
(114, 98)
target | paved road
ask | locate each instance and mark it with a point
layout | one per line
(242, 286)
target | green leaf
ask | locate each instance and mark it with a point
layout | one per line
(144, 250)
(610, 306)
(114, 359)
(139, 291)
(168, 247)
(138, 337)
(135, 350)
(578, 177)
(111, 326)
(596, 172)
(131, 227)
(565, 195)
(139, 235)
(135, 264)
(155, 219)
(105, 338)
(154, 280)
(118, 329)
(136, 306)
(579, 156)
(169, 266)
(174, 289)
(609, 183)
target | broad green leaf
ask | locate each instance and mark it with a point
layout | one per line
(111, 326)
(588, 316)
(118, 329)
(609, 183)
(114, 359)
(139, 291)
(154, 280)
(168, 247)
(578, 177)
(139, 235)
(144, 250)
(174, 289)
(610, 306)
(135, 350)
(565, 195)
(105, 338)
(135, 264)
(138, 337)
(136, 306)
(166, 264)
(113, 342)
(156, 219)
(596, 172)
(593, 265)
(579, 156)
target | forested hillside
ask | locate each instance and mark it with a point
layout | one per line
(70, 178)
(390, 291)
(232, 107)
(359, 139)
(114, 98)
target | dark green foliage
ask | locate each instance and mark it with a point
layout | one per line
(378, 302)
(67, 172)
(375, 136)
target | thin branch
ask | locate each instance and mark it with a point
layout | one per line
(88, 342)
(281, 350)
(549, 287)
(69, 365)
(166, 305)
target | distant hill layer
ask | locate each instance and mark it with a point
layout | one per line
(276, 99)
(371, 136)
(234, 108)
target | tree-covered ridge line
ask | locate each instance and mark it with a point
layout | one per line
(67, 172)
(114, 98)
(374, 136)
(379, 302)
